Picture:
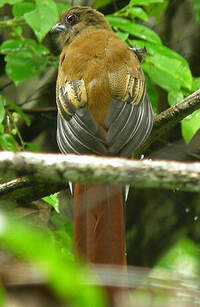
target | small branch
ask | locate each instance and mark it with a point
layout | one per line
(24, 189)
(170, 117)
(48, 169)
(12, 22)
(40, 110)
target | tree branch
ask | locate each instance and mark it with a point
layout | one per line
(170, 117)
(48, 169)
(24, 189)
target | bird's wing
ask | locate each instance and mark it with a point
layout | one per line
(77, 131)
(130, 117)
(128, 126)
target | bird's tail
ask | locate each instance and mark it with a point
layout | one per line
(99, 233)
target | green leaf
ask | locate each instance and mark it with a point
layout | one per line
(173, 67)
(145, 2)
(11, 2)
(24, 59)
(154, 49)
(23, 66)
(101, 3)
(16, 31)
(19, 9)
(195, 84)
(52, 200)
(64, 242)
(175, 97)
(31, 147)
(1, 132)
(152, 94)
(169, 61)
(42, 19)
(182, 257)
(8, 142)
(2, 110)
(19, 111)
(61, 6)
(134, 29)
(122, 35)
(60, 222)
(157, 10)
(161, 77)
(190, 125)
(196, 7)
(11, 46)
(138, 12)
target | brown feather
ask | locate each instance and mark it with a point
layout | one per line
(109, 61)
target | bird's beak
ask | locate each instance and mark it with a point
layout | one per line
(58, 27)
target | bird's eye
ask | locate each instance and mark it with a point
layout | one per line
(71, 18)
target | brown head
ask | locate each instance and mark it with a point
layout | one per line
(77, 20)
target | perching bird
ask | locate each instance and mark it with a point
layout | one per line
(103, 109)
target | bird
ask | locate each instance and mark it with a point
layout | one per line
(103, 110)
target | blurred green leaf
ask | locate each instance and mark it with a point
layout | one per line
(101, 3)
(196, 7)
(61, 6)
(61, 222)
(19, 9)
(16, 31)
(19, 111)
(190, 125)
(134, 29)
(2, 110)
(145, 2)
(1, 129)
(42, 19)
(138, 12)
(175, 97)
(8, 142)
(3, 296)
(31, 147)
(67, 280)
(24, 59)
(2, 2)
(157, 10)
(11, 46)
(195, 84)
(183, 257)
(65, 243)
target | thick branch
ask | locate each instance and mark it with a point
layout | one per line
(58, 169)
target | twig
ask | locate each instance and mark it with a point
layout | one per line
(24, 189)
(40, 110)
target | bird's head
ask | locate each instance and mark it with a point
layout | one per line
(77, 20)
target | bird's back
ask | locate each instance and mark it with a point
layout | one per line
(103, 61)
